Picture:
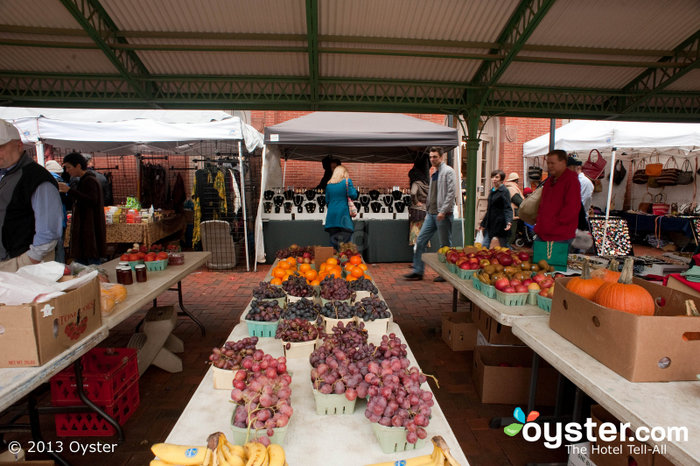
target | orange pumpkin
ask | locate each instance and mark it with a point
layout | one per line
(624, 295)
(585, 285)
(610, 273)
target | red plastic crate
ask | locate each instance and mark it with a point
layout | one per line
(106, 372)
(90, 424)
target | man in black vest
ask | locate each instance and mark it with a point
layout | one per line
(30, 206)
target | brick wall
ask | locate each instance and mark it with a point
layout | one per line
(364, 175)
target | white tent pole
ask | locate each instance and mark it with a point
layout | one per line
(40, 153)
(245, 213)
(284, 173)
(607, 206)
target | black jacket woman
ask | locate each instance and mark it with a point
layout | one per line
(499, 213)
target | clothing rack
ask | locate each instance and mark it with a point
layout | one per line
(183, 168)
(116, 167)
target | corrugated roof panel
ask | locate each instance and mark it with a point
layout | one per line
(689, 82)
(38, 13)
(47, 38)
(538, 74)
(639, 24)
(397, 68)
(226, 63)
(272, 16)
(215, 42)
(470, 20)
(36, 59)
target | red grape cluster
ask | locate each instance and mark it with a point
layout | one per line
(264, 311)
(390, 347)
(396, 399)
(338, 310)
(267, 291)
(362, 284)
(262, 390)
(302, 309)
(231, 355)
(297, 330)
(335, 288)
(371, 308)
(296, 285)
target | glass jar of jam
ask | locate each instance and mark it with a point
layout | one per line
(124, 275)
(141, 273)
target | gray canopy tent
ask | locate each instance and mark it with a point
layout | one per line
(350, 137)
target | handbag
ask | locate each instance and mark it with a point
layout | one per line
(597, 186)
(534, 172)
(352, 208)
(654, 169)
(594, 170)
(530, 205)
(659, 206)
(640, 174)
(669, 174)
(619, 172)
(686, 174)
(646, 206)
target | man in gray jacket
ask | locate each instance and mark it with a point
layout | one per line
(442, 193)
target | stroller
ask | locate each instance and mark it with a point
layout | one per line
(524, 234)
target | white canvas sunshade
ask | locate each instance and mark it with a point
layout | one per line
(584, 136)
(134, 136)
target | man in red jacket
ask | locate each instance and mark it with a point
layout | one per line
(557, 216)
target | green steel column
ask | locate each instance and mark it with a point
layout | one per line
(473, 118)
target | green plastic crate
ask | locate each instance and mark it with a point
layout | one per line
(393, 439)
(544, 303)
(465, 274)
(156, 266)
(488, 290)
(262, 329)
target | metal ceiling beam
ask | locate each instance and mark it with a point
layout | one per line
(312, 43)
(101, 29)
(520, 27)
(685, 57)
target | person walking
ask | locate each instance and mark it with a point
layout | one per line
(418, 178)
(498, 219)
(440, 202)
(558, 214)
(56, 171)
(587, 187)
(338, 222)
(88, 230)
(516, 197)
(30, 206)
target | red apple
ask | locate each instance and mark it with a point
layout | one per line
(505, 260)
(524, 256)
(494, 261)
(501, 283)
(527, 281)
(508, 289)
(473, 266)
(538, 277)
(515, 282)
(547, 283)
(521, 289)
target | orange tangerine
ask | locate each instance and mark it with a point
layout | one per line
(363, 266)
(284, 265)
(367, 277)
(291, 260)
(323, 267)
(311, 275)
(350, 278)
(335, 273)
(275, 281)
(315, 283)
(303, 268)
(356, 259)
(357, 272)
(332, 261)
(278, 273)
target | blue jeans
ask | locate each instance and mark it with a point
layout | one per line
(502, 241)
(430, 224)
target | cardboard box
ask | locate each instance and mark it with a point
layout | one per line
(616, 452)
(658, 348)
(502, 375)
(321, 253)
(493, 331)
(37, 332)
(675, 284)
(459, 331)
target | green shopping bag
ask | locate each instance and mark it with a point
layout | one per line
(555, 253)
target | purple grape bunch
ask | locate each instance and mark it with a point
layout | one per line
(302, 309)
(335, 289)
(264, 311)
(230, 356)
(297, 330)
(371, 308)
(362, 284)
(265, 290)
(296, 285)
(337, 310)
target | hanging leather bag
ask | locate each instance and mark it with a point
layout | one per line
(534, 172)
(686, 174)
(645, 206)
(619, 172)
(640, 174)
(597, 186)
(654, 169)
(669, 174)
(594, 170)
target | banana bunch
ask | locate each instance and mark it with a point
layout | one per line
(219, 452)
(439, 457)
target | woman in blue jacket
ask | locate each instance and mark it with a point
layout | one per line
(338, 222)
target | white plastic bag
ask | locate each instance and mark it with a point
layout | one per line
(480, 238)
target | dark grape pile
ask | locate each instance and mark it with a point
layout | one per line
(371, 308)
(263, 393)
(298, 251)
(231, 355)
(335, 288)
(396, 399)
(296, 285)
(302, 309)
(267, 291)
(297, 330)
(362, 284)
(264, 311)
(338, 310)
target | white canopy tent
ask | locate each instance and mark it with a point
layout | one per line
(625, 141)
(102, 131)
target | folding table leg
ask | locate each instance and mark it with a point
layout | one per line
(455, 296)
(185, 311)
(35, 427)
(81, 394)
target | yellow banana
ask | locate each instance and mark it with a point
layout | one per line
(159, 463)
(276, 455)
(179, 454)
(257, 454)
(236, 450)
(232, 459)
(440, 455)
